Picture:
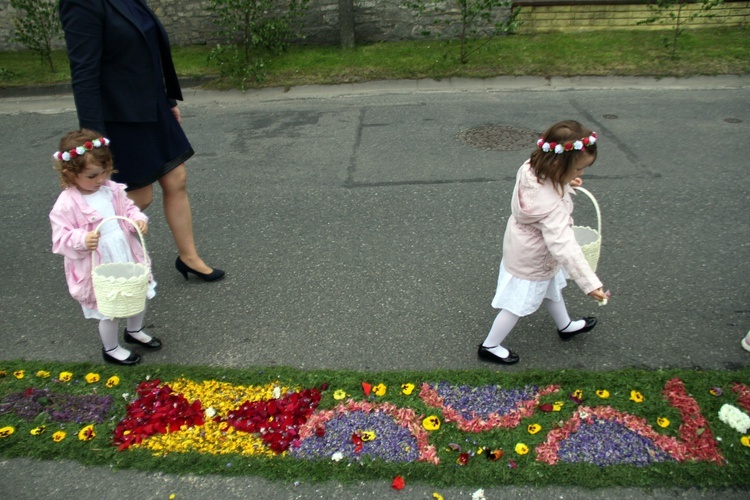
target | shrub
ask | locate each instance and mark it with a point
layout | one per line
(37, 25)
(253, 30)
(476, 20)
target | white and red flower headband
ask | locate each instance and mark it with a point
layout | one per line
(566, 146)
(80, 150)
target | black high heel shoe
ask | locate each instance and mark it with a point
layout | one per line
(184, 269)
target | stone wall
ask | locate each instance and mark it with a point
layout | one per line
(190, 23)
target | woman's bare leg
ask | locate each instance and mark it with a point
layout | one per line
(142, 197)
(179, 218)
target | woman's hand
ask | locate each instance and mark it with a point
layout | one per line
(577, 182)
(177, 115)
(92, 241)
(142, 226)
(598, 294)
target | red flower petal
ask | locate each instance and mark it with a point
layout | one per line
(398, 483)
(367, 388)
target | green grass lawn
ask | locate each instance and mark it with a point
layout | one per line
(602, 53)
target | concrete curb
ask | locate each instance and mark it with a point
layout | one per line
(192, 86)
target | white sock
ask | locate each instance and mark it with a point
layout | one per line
(574, 326)
(501, 327)
(559, 313)
(135, 327)
(499, 350)
(108, 331)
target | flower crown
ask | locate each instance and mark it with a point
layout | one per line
(80, 150)
(566, 146)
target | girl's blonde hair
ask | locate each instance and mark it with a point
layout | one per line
(70, 169)
(557, 167)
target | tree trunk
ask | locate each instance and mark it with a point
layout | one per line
(346, 23)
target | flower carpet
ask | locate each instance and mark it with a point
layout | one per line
(682, 428)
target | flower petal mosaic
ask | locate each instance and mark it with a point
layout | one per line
(461, 426)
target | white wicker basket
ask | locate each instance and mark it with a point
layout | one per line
(121, 287)
(589, 239)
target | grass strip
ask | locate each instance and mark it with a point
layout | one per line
(598, 53)
(462, 453)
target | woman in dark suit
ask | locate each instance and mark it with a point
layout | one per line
(125, 87)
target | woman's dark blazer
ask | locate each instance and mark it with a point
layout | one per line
(111, 65)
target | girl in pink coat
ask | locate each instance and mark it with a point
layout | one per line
(539, 248)
(88, 197)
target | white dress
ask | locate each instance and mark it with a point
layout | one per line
(113, 244)
(522, 297)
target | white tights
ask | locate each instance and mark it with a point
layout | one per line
(506, 321)
(109, 330)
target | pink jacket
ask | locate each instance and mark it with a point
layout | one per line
(72, 218)
(539, 235)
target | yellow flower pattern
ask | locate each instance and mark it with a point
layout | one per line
(407, 389)
(431, 423)
(87, 433)
(212, 437)
(521, 449)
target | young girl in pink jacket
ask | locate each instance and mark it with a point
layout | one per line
(539, 246)
(88, 197)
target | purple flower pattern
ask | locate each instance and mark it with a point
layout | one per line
(392, 443)
(32, 403)
(606, 442)
(482, 401)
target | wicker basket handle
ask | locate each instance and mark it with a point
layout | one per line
(596, 206)
(140, 235)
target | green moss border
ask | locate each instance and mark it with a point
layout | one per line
(479, 472)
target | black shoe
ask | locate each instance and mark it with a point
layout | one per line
(184, 269)
(485, 354)
(590, 324)
(133, 359)
(152, 345)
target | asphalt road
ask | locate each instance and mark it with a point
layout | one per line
(359, 231)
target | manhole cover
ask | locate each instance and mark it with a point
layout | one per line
(499, 137)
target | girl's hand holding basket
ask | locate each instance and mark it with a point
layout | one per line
(142, 226)
(92, 241)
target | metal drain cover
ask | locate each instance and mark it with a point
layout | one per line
(499, 137)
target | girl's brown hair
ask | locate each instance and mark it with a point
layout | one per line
(557, 167)
(70, 169)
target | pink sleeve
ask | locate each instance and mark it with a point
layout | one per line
(561, 243)
(67, 239)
